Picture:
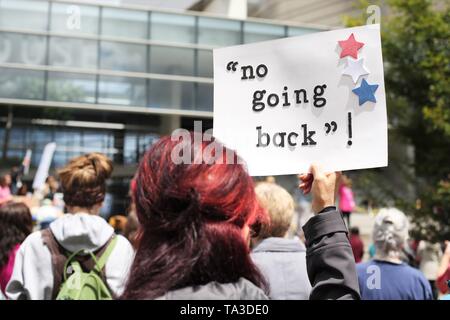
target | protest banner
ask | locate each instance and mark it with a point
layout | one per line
(44, 166)
(319, 98)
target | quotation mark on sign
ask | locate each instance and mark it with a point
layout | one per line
(330, 127)
(231, 66)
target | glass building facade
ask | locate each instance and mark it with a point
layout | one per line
(106, 78)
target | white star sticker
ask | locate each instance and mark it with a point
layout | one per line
(355, 69)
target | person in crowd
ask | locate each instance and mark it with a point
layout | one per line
(346, 200)
(408, 254)
(195, 222)
(51, 187)
(387, 277)
(429, 257)
(15, 225)
(23, 190)
(443, 274)
(282, 261)
(16, 182)
(372, 250)
(5, 188)
(357, 244)
(118, 222)
(83, 182)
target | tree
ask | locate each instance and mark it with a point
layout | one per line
(416, 52)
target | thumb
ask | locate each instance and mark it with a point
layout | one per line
(316, 170)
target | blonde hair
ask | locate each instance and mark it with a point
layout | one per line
(83, 180)
(279, 205)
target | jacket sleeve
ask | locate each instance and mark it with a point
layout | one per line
(32, 277)
(329, 258)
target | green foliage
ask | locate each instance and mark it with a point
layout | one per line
(416, 52)
(432, 214)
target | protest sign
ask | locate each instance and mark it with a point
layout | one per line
(44, 166)
(318, 98)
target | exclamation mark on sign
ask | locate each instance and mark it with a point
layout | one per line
(349, 142)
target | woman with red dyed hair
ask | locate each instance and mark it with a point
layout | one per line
(195, 222)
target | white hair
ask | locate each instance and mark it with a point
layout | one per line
(390, 233)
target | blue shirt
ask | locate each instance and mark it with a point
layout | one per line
(381, 280)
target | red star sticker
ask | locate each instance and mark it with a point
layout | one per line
(350, 47)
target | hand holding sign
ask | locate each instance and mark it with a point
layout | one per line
(288, 103)
(323, 187)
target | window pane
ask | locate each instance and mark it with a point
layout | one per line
(136, 143)
(68, 145)
(69, 141)
(205, 63)
(169, 60)
(71, 87)
(295, 31)
(123, 91)
(97, 141)
(124, 57)
(205, 93)
(219, 32)
(24, 14)
(171, 94)
(21, 84)
(130, 152)
(254, 32)
(78, 53)
(19, 48)
(74, 19)
(124, 23)
(172, 27)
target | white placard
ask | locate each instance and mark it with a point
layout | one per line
(44, 166)
(299, 91)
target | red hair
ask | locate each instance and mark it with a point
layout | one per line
(192, 218)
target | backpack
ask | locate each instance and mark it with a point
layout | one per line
(78, 276)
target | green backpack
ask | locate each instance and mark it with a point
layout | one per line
(73, 282)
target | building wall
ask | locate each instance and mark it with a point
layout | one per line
(108, 78)
(321, 12)
(67, 59)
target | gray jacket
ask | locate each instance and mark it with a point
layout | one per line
(241, 290)
(329, 261)
(329, 258)
(283, 263)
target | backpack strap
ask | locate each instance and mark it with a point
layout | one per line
(58, 259)
(100, 263)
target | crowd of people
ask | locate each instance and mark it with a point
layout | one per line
(206, 231)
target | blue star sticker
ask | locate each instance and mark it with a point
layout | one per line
(366, 92)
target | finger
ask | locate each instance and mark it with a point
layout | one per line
(304, 185)
(317, 171)
(337, 182)
(306, 180)
(307, 190)
(305, 175)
